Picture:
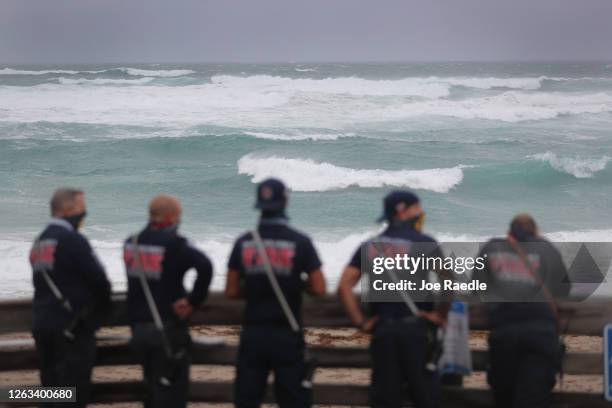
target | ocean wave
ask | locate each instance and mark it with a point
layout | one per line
(428, 87)
(575, 166)
(510, 106)
(587, 235)
(10, 71)
(526, 83)
(298, 136)
(162, 73)
(234, 102)
(353, 86)
(308, 175)
(334, 252)
(334, 249)
(104, 81)
(305, 69)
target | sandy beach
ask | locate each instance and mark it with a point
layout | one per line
(320, 337)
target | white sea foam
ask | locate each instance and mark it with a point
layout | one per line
(575, 166)
(526, 83)
(298, 136)
(298, 69)
(16, 276)
(261, 102)
(309, 175)
(428, 87)
(164, 73)
(127, 70)
(510, 106)
(335, 251)
(10, 71)
(104, 81)
(348, 86)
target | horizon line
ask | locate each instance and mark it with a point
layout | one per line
(322, 62)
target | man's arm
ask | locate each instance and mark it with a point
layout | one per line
(233, 289)
(439, 314)
(316, 283)
(204, 270)
(193, 258)
(92, 272)
(233, 286)
(350, 278)
(316, 280)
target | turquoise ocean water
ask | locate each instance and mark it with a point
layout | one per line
(478, 142)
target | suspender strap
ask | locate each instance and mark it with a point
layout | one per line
(554, 307)
(146, 289)
(64, 302)
(280, 296)
(405, 297)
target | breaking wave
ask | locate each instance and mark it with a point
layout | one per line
(104, 81)
(162, 73)
(298, 136)
(334, 251)
(347, 85)
(267, 102)
(575, 166)
(10, 71)
(510, 106)
(130, 71)
(309, 175)
(428, 87)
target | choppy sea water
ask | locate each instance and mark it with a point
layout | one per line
(478, 142)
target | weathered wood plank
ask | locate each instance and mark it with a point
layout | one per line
(12, 359)
(340, 394)
(587, 318)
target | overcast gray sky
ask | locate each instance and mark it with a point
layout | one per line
(64, 31)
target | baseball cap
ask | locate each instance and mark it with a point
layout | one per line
(271, 195)
(396, 201)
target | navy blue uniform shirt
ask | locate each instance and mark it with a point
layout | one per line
(165, 257)
(72, 265)
(291, 253)
(506, 273)
(397, 233)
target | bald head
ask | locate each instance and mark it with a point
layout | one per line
(164, 210)
(66, 202)
(523, 226)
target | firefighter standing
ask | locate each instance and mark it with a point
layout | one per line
(156, 261)
(401, 342)
(267, 341)
(70, 292)
(528, 274)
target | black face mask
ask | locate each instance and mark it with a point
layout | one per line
(173, 228)
(415, 223)
(267, 214)
(521, 234)
(76, 220)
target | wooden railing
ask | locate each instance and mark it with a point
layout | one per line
(587, 318)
